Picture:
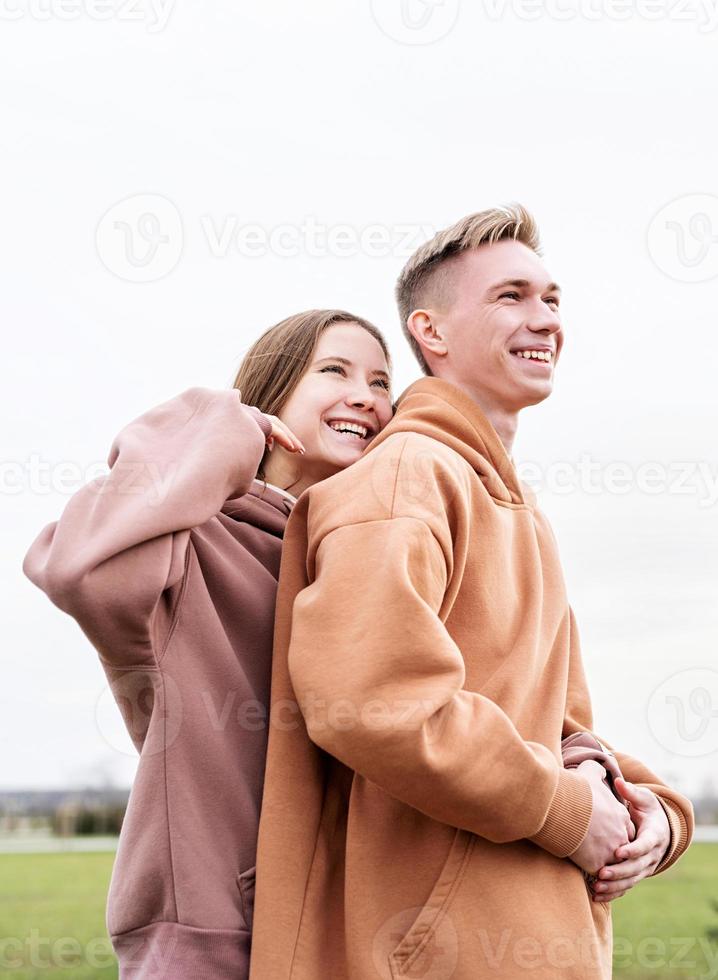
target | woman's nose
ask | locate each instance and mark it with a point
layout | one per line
(362, 399)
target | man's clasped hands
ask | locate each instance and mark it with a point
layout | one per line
(622, 845)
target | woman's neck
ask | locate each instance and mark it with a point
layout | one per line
(282, 470)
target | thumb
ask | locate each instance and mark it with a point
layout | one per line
(637, 796)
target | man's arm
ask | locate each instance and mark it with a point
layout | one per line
(380, 680)
(579, 717)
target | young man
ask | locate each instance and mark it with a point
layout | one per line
(417, 820)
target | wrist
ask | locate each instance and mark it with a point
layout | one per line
(569, 815)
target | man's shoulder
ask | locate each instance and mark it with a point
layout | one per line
(405, 448)
(397, 452)
(408, 474)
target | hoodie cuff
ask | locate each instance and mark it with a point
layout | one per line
(679, 834)
(262, 421)
(566, 822)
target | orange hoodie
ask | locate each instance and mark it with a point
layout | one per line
(417, 820)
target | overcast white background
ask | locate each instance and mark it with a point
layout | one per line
(340, 136)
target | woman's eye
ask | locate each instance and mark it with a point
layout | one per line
(338, 369)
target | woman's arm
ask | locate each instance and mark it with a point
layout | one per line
(121, 542)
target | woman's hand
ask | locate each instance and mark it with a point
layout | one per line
(280, 432)
(283, 435)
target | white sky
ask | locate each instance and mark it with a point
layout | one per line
(298, 118)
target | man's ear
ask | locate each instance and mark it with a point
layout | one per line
(423, 328)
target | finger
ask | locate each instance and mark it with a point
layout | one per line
(614, 890)
(637, 796)
(611, 898)
(282, 432)
(611, 887)
(643, 844)
(284, 435)
(623, 870)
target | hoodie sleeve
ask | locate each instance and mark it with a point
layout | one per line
(579, 717)
(120, 544)
(383, 691)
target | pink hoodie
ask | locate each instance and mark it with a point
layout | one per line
(170, 565)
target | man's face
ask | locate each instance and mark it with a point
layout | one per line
(496, 301)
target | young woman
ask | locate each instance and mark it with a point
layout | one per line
(170, 564)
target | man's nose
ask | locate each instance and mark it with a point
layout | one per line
(544, 319)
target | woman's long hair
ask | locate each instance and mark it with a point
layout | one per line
(273, 366)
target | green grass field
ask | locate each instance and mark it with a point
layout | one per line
(668, 927)
(52, 919)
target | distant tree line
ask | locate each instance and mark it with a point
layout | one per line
(65, 813)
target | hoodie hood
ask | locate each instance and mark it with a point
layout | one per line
(440, 410)
(265, 507)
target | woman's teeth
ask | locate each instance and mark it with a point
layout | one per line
(349, 428)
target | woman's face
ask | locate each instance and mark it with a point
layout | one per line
(341, 402)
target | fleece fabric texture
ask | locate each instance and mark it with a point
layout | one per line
(417, 819)
(170, 566)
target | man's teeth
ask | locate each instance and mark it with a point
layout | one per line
(537, 355)
(358, 430)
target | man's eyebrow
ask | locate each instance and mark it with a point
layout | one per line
(553, 287)
(343, 360)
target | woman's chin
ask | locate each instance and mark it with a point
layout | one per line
(341, 457)
(349, 458)
(339, 452)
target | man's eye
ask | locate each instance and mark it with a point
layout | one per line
(554, 300)
(511, 295)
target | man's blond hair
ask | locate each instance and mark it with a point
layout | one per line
(419, 275)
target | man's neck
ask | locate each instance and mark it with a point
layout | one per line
(504, 421)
